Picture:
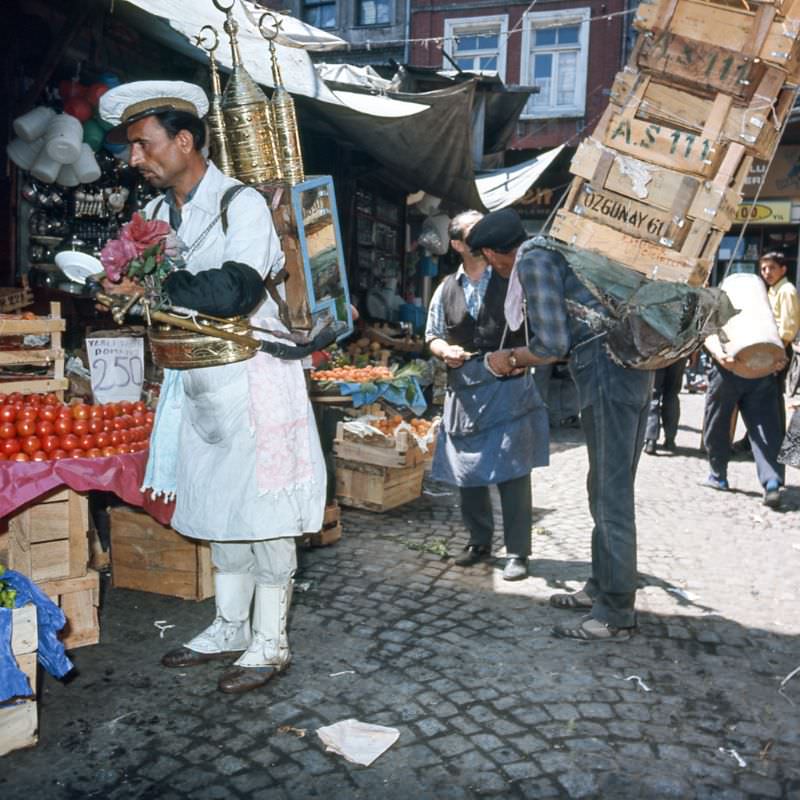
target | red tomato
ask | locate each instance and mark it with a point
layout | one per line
(139, 417)
(116, 438)
(3, 457)
(43, 427)
(123, 449)
(11, 446)
(80, 426)
(139, 406)
(51, 400)
(14, 397)
(69, 441)
(3, 398)
(87, 441)
(96, 412)
(110, 410)
(8, 430)
(77, 453)
(39, 455)
(50, 443)
(65, 411)
(125, 407)
(8, 413)
(80, 411)
(58, 454)
(128, 420)
(103, 439)
(119, 424)
(150, 417)
(108, 425)
(20, 457)
(30, 444)
(28, 412)
(125, 437)
(63, 425)
(48, 413)
(95, 425)
(109, 451)
(94, 452)
(26, 427)
(34, 400)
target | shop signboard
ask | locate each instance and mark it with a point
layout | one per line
(764, 212)
(116, 365)
(780, 178)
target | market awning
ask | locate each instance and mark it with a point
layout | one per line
(499, 188)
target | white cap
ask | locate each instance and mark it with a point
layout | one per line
(130, 102)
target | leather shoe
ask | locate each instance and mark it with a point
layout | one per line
(650, 446)
(238, 680)
(516, 568)
(473, 553)
(184, 657)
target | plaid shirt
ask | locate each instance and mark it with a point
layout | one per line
(474, 293)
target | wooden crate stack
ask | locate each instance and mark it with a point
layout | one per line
(47, 541)
(658, 182)
(51, 357)
(13, 299)
(19, 716)
(331, 530)
(377, 472)
(151, 557)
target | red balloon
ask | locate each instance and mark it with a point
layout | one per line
(95, 92)
(78, 107)
(70, 89)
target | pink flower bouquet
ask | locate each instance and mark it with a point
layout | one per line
(139, 252)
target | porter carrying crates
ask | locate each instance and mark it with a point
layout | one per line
(18, 717)
(48, 539)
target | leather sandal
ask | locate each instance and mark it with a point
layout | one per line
(571, 601)
(593, 630)
(238, 680)
(184, 657)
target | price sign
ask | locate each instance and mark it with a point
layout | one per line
(117, 368)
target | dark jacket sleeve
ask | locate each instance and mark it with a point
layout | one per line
(234, 290)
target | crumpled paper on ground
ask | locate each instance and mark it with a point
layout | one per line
(359, 742)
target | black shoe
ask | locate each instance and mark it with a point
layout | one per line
(516, 568)
(650, 446)
(772, 497)
(669, 444)
(473, 553)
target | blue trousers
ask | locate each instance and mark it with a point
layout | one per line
(614, 405)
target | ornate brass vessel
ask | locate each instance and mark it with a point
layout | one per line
(177, 348)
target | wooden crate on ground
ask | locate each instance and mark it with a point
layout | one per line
(79, 599)
(19, 718)
(50, 356)
(766, 31)
(331, 530)
(151, 557)
(48, 539)
(376, 488)
(400, 450)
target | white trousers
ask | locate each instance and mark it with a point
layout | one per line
(272, 562)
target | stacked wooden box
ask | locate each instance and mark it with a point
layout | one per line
(331, 530)
(18, 716)
(15, 355)
(151, 557)
(47, 541)
(658, 182)
(377, 472)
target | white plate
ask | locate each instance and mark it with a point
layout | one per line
(78, 266)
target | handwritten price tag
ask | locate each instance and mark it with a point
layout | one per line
(117, 368)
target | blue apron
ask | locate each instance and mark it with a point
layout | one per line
(493, 430)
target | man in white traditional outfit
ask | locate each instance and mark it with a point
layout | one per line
(235, 444)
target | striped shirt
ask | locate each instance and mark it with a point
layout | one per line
(474, 294)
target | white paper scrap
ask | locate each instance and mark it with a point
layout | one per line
(359, 742)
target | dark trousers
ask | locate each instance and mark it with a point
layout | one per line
(665, 404)
(758, 402)
(516, 502)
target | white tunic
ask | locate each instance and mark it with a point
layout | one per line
(217, 497)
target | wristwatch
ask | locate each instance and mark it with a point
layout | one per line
(512, 360)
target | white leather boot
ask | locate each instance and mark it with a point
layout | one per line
(230, 630)
(268, 652)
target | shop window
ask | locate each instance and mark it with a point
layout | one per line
(320, 13)
(477, 44)
(555, 51)
(374, 12)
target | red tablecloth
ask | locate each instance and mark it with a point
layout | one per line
(23, 482)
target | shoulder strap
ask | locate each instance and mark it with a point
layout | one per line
(157, 206)
(227, 199)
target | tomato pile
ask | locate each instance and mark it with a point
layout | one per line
(39, 427)
(353, 374)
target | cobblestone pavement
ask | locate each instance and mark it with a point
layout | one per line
(463, 664)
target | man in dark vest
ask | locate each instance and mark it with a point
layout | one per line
(494, 431)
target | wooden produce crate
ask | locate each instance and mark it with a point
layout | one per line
(706, 67)
(399, 450)
(48, 539)
(653, 260)
(756, 124)
(13, 299)
(151, 557)
(764, 31)
(51, 357)
(331, 530)
(19, 718)
(376, 488)
(79, 599)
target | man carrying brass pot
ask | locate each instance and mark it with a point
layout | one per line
(234, 443)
